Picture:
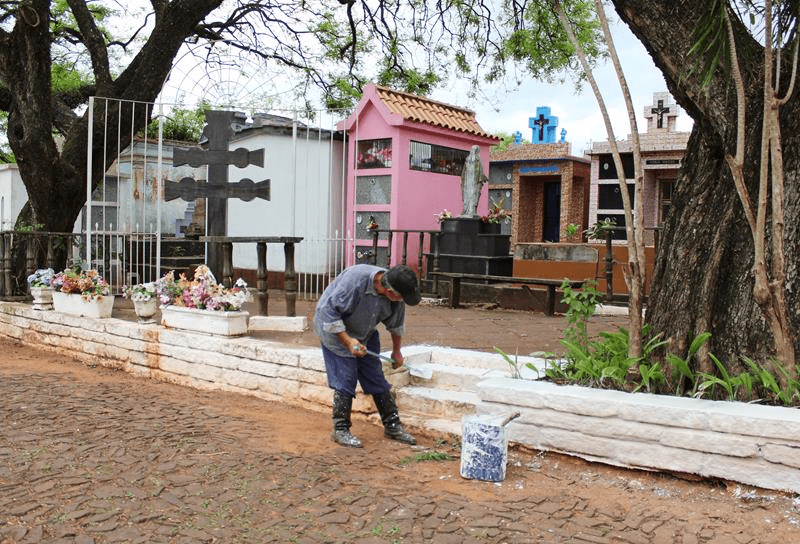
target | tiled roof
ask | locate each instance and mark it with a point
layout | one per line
(430, 112)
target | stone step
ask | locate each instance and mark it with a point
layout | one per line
(444, 426)
(451, 377)
(419, 354)
(445, 404)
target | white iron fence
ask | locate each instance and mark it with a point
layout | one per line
(134, 235)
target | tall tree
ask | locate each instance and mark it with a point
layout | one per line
(333, 46)
(704, 279)
(634, 271)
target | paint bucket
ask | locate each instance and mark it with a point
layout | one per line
(484, 446)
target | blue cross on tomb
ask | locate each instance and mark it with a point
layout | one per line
(544, 126)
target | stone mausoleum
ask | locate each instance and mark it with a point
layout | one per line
(589, 193)
(543, 182)
(662, 147)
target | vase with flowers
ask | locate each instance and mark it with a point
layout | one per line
(201, 304)
(496, 216)
(82, 291)
(145, 300)
(40, 289)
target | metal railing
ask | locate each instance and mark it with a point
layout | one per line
(120, 258)
(422, 249)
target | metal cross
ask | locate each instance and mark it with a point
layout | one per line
(218, 132)
(660, 111)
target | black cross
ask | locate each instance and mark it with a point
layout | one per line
(540, 122)
(218, 132)
(660, 111)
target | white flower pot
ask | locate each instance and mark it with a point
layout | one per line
(42, 298)
(206, 321)
(68, 303)
(145, 309)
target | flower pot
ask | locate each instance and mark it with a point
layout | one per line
(145, 309)
(205, 321)
(491, 228)
(42, 298)
(73, 304)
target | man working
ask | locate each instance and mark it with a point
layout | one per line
(346, 321)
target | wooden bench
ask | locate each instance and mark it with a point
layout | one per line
(551, 285)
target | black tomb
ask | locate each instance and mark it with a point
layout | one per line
(467, 245)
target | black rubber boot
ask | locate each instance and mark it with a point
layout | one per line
(392, 428)
(341, 421)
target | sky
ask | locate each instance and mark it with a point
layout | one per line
(497, 110)
(577, 113)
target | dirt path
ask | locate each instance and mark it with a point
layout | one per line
(90, 455)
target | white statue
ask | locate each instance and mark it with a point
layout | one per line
(472, 180)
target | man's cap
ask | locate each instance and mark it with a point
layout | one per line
(403, 280)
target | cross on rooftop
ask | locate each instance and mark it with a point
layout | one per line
(546, 125)
(662, 113)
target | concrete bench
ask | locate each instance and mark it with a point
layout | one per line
(551, 285)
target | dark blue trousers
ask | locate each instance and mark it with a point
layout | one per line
(344, 372)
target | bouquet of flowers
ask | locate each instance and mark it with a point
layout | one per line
(444, 214)
(497, 213)
(86, 282)
(41, 278)
(202, 293)
(140, 292)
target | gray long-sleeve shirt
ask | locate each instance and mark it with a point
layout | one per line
(350, 303)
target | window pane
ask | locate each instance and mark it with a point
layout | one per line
(374, 153)
(609, 197)
(421, 156)
(608, 169)
(436, 158)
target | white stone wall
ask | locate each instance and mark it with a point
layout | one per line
(268, 370)
(752, 444)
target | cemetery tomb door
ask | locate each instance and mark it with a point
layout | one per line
(552, 211)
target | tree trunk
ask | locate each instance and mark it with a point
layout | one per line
(703, 278)
(54, 178)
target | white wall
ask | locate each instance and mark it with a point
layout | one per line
(306, 193)
(13, 195)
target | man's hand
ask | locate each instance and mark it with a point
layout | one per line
(398, 359)
(356, 348)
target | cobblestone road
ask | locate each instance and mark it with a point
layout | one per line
(90, 455)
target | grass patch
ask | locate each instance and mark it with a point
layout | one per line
(426, 456)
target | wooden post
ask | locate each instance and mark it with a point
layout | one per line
(51, 254)
(550, 300)
(609, 267)
(30, 254)
(419, 255)
(436, 262)
(390, 237)
(375, 247)
(261, 282)
(405, 247)
(290, 279)
(227, 264)
(455, 292)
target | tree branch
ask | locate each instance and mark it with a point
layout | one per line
(94, 41)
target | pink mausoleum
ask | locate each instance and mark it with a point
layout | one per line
(405, 156)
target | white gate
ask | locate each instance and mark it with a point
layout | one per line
(134, 235)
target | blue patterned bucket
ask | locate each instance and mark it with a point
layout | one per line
(484, 447)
